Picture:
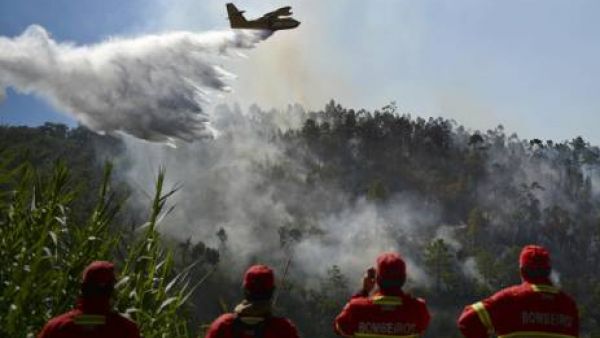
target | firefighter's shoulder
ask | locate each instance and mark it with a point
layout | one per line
(121, 322)
(413, 299)
(359, 302)
(510, 293)
(60, 322)
(281, 324)
(221, 324)
(416, 303)
(224, 319)
(276, 322)
(420, 302)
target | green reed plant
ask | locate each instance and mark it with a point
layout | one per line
(43, 252)
(150, 291)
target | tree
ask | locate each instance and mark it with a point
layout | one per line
(475, 223)
(377, 191)
(498, 269)
(438, 261)
(326, 301)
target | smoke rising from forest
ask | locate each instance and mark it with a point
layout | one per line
(275, 197)
(153, 87)
(227, 184)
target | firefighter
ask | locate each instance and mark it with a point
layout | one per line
(93, 316)
(388, 312)
(252, 317)
(535, 308)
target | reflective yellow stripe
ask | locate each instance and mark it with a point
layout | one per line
(372, 335)
(544, 288)
(535, 334)
(387, 300)
(484, 316)
(89, 320)
(252, 320)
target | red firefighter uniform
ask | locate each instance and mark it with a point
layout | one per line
(92, 317)
(232, 325)
(389, 312)
(535, 308)
(252, 317)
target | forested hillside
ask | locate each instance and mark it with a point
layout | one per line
(81, 150)
(493, 192)
(321, 196)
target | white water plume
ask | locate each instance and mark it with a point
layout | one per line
(153, 87)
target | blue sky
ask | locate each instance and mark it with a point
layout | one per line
(81, 21)
(532, 66)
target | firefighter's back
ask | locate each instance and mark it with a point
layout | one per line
(529, 308)
(231, 325)
(400, 315)
(389, 312)
(76, 324)
(535, 308)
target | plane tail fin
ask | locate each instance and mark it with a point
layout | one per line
(236, 17)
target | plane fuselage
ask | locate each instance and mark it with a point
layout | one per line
(271, 21)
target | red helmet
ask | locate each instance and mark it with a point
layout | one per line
(259, 279)
(534, 256)
(391, 270)
(535, 264)
(99, 273)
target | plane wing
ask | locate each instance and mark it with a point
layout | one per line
(283, 11)
(269, 15)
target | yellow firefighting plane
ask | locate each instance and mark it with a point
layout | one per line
(271, 21)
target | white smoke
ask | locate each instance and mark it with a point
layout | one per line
(593, 173)
(470, 269)
(225, 185)
(448, 234)
(153, 87)
(353, 237)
